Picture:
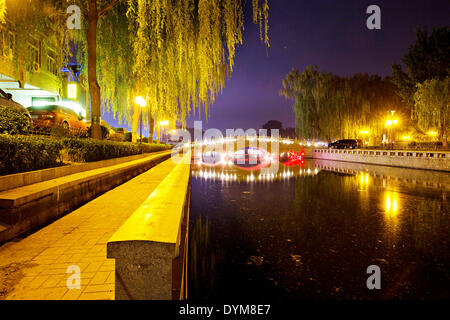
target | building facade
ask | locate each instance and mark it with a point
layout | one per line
(32, 70)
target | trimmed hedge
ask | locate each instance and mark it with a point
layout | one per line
(19, 153)
(89, 150)
(13, 121)
(28, 153)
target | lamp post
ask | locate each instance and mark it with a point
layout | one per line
(364, 134)
(433, 134)
(163, 124)
(389, 126)
(141, 102)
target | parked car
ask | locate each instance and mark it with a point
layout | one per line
(52, 116)
(7, 101)
(346, 144)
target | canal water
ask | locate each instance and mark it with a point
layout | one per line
(312, 230)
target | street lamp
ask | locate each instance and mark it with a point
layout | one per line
(364, 134)
(389, 125)
(141, 102)
(163, 124)
(433, 134)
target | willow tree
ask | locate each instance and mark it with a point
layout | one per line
(176, 53)
(328, 106)
(2, 10)
(431, 106)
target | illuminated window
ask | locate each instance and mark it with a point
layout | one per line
(34, 54)
(51, 63)
(72, 91)
(7, 43)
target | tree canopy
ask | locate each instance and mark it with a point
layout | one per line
(426, 59)
(2, 10)
(176, 53)
(431, 107)
(331, 107)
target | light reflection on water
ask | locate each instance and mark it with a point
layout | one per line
(311, 231)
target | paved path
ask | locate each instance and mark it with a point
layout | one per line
(35, 267)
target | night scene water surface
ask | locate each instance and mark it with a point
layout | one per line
(310, 232)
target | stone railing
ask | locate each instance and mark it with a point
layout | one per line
(49, 194)
(150, 248)
(431, 160)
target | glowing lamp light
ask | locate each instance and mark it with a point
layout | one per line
(406, 138)
(141, 101)
(164, 122)
(72, 90)
(391, 122)
(433, 133)
(364, 132)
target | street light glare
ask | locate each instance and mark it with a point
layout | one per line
(391, 122)
(141, 101)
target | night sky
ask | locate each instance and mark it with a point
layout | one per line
(331, 34)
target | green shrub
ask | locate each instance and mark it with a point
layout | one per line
(28, 153)
(117, 137)
(89, 150)
(60, 132)
(13, 121)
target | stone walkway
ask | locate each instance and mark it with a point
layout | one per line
(35, 268)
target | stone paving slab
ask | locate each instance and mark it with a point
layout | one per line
(35, 268)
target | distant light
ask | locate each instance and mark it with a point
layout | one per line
(433, 133)
(391, 122)
(141, 101)
(72, 90)
(364, 132)
(164, 122)
(406, 138)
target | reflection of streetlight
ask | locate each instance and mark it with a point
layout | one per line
(141, 102)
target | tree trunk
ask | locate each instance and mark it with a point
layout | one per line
(94, 88)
